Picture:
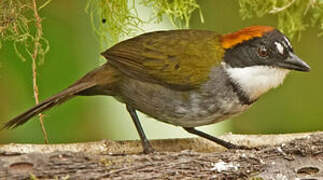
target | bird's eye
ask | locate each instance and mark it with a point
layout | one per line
(262, 51)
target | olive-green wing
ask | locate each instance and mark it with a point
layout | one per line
(181, 59)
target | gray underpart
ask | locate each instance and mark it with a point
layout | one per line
(216, 100)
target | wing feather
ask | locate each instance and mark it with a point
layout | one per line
(181, 59)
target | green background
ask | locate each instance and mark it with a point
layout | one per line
(294, 107)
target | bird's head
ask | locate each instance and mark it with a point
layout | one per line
(258, 58)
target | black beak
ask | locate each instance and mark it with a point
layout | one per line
(294, 63)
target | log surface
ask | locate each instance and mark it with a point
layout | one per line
(288, 156)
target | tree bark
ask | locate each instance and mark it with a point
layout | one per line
(286, 156)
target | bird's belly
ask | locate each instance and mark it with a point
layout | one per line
(207, 115)
(180, 108)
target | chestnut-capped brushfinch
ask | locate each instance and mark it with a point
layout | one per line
(186, 78)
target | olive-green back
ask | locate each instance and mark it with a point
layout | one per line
(181, 59)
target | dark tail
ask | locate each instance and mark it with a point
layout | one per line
(47, 104)
(96, 82)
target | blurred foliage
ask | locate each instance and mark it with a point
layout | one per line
(119, 18)
(292, 15)
(17, 24)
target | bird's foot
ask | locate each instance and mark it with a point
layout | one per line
(239, 147)
(229, 145)
(148, 149)
(242, 147)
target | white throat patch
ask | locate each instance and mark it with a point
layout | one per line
(256, 80)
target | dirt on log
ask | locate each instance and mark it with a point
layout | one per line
(283, 157)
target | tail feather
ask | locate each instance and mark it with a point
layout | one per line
(47, 104)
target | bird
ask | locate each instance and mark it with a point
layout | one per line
(187, 78)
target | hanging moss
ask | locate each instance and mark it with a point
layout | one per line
(17, 24)
(178, 11)
(112, 19)
(294, 16)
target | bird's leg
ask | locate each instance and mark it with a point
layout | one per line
(144, 141)
(221, 142)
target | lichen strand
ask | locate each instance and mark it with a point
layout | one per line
(112, 20)
(17, 24)
(178, 11)
(293, 16)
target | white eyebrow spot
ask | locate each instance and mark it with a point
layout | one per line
(279, 47)
(288, 43)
